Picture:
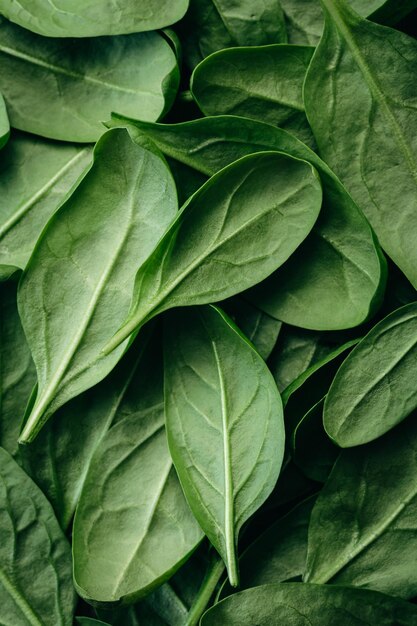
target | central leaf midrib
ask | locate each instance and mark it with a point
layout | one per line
(19, 600)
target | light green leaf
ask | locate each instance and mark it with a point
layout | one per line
(236, 230)
(77, 287)
(35, 177)
(224, 424)
(4, 123)
(360, 98)
(35, 573)
(17, 372)
(132, 528)
(363, 528)
(336, 278)
(65, 89)
(212, 25)
(374, 388)
(77, 18)
(312, 605)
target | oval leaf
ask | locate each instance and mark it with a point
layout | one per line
(224, 424)
(83, 269)
(70, 86)
(236, 230)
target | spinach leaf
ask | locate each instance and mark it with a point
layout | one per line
(359, 97)
(315, 605)
(77, 287)
(77, 18)
(337, 277)
(132, 526)
(238, 228)
(71, 85)
(4, 123)
(374, 389)
(17, 372)
(224, 424)
(212, 25)
(35, 574)
(35, 177)
(263, 83)
(363, 528)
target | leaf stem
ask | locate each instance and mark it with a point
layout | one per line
(212, 577)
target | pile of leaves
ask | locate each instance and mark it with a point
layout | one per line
(208, 312)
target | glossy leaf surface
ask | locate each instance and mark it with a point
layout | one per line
(363, 528)
(95, 255)
(35, 177)
(224, 424)
(77, 18)
(360, 99)
(374, 389)
(35, 574)
(71, 85)
(315, 605)
(236, 230)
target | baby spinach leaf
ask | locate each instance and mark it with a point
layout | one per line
(77, 287)
(212, 25)
(35, 177)
(77, 18)
(132, 527)
(71, 85)
(374, 389)
(35, 572)
(4, 123)
(315, 605)
(360, 96)
(238, 228)
(264, 83)
(224, 424)
(363, 528)
(336, 278)
(17, 372)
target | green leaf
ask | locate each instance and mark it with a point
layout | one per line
(315, 605)
(212, 25)
(4, 123)
(263, 83)
(35, 572)
(35, 177)
(374, 388)
(17, 372)
(224, 424)
(360, 97)
(70, 86)
(87, 621)
(363, 528)
(236, 230)
(77, 18)
(337, 277)
(77, 287)
(132, 528)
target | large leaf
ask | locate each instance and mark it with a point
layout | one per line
(35, 571)
(77, 287)
(264, 83)
(4, 123)
(35, 177)
(360, 97)
(312, 605)
(224, 424)
(336, 278)
(212, 25)
(132, 528)
(17, 372)
(375, 388)
(235, 231)
(363, 528)
(77, 18)
(64, 89)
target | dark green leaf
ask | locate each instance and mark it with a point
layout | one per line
(224, 424)
(4, 123)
